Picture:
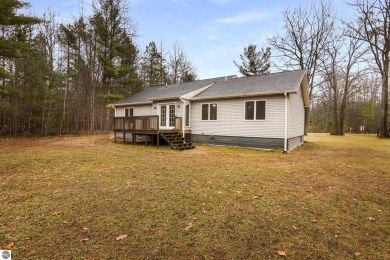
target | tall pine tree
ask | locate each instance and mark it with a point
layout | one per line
(153, 68)
(113, 28)
(10, 49)
(254, 62)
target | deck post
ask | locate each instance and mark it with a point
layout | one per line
(146, 140)
(114, 137)
(124, 138)
(133, 137)
(158, 139)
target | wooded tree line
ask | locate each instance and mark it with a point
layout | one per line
(60, 78)
(63, 78)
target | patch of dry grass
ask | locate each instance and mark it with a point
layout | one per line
(71, 197)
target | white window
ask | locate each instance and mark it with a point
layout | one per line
(255, 110)
(129, 111)
(209, 111)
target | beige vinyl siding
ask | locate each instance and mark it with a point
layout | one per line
(139, 110)
(231, 118)
(296, 111)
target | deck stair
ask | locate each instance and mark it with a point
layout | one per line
(176, 141)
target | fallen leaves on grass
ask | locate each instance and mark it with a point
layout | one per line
(56, 213)
(189, 225)
(357, 253)
(282, 253)
(294, 227)
(371, 218)
(121, 237)
(84, 240)
(313, 220)
(9, 246)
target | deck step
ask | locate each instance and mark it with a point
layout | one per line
(177, 141)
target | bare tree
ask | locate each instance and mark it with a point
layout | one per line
(373, 28)
(304, 42)
(342, 75)
(180, 68)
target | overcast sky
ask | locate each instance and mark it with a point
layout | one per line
(213, 33)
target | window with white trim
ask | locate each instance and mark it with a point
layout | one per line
(209, 111)
(255, 110)
(129, 111)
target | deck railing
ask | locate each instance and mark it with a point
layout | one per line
(141, 124)
(136, 123)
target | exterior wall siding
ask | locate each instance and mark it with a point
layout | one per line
(296, 115)
(231, 119)
(139, 110)
(295, 142)
(255, 142)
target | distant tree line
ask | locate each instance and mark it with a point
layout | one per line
(347, 64)
(63, 78)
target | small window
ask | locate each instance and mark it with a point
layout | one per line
(260, 110)
(188, 115)
(249, 110)
(205, 112)
(129, 111)
(209, 111)
(255, 110)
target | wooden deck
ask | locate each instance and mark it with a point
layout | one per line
(143, 126)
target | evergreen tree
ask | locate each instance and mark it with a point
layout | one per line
(113, 37)
(254, 62)
(10, 49)
(153, 68)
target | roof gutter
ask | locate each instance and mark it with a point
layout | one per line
(245, 95)
(183, 122)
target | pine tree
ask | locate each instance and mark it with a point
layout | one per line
(8, 20)
(11, 48)
(113, 35)
(254, 62)
(153, 68)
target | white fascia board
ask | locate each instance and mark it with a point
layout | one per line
(305, 91)
(194, 93)
(132, 104)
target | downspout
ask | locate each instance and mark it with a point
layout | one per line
(285, 122)
(183, 121)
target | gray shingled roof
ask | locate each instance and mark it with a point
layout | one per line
(288, 81)
(223, 87)
(170, 91)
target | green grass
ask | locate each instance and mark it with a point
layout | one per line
(329, 199)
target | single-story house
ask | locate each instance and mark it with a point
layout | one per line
(266, 111)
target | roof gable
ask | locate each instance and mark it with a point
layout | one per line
(274, 83)
(171, 91)
(225, 87)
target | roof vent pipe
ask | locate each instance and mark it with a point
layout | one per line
(225, 78)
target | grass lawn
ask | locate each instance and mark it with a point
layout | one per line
(87, 197)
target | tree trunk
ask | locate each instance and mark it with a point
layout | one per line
(335, 113)
(383, 126)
